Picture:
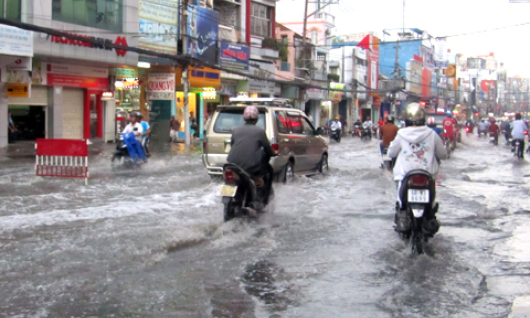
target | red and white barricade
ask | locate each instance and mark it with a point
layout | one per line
(67, 158)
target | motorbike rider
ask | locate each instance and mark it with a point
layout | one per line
(482, 127)
(416, 146)
(493, 128)
(368, 124)
(134, 126)
(387, 132)
(251, 149)
(505, 128)
(449, 128)
(357, 126)
(145, 133)
(431, 122)
(518, 129)
(336, 125)
(470, 124)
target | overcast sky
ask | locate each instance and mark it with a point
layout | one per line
(449, 17)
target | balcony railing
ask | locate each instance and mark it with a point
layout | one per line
(285, 67)
(324, 16)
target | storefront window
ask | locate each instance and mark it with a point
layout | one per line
(127, 95)
(10, 9)
(101, 14)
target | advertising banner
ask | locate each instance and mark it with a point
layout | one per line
(373, 60)
(440, 53)
(414, 76)
(336, 91)
(70, 75)
(234, 56)
(263, 70)
(161, 86)
(203, 30)
(158, 25)
(427, 55)
(15, 41)
(18, 90)
(426, 81)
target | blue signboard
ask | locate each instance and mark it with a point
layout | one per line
(234, 56)
(203, 30)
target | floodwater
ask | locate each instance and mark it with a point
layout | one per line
(153, 244)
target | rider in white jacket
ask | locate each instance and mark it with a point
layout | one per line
(416, 146)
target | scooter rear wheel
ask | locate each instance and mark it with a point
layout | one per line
(229, 210)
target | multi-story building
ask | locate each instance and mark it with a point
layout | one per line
(69, 77)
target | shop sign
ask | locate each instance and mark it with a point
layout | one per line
(127, 83)
(262, 70)
(161, 86)
(107, 96)
(376, 101)
(58, 74)
(15, 41)
(20, 64)
(314, 94)
(234, 56)
(203, 31)
(228, 87)
(204, 77)
(158, 21)
(209, 93)
(124, 72)
(120, 40)
(18, 90)
(334, 93)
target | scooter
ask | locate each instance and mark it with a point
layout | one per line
(356, 131)
(458, 136)
(518, 150)
(241, 196)
(388, 163)
(122, 158)
(366, 133)
(415, 219)
(335, 134)
(468, 131)
(482, 132)
(494, 138)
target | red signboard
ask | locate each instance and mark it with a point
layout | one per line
(70, 75)
(67, 41)
(426, 80)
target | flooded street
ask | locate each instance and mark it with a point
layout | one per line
(154, 244)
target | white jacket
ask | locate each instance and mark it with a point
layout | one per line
(416, 148)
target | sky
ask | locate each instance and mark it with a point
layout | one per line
(439, 18)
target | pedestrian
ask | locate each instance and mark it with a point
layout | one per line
(12, 130)
(174, 126)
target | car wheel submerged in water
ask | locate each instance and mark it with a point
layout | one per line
(323, 167)
(289, 173)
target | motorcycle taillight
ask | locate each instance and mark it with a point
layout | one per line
(526, 132)
(467, 129)
(229, 177)
(275, 148)
(418, 180)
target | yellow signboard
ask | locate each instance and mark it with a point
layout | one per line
(18, 90)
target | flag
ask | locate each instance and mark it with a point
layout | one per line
(365, 43)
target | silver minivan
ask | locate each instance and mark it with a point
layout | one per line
(301, 148)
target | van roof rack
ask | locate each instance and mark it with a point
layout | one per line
(263, 101)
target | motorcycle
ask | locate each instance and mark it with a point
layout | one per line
(468, 131)
(388, 163)
(494, 138)
(416, 217)
(356, 131)
(122, 158)
(448, 146)
(241, 196)
(458, 136)
(518, 150)
(335, 134)
(366, 132)
(482, 132)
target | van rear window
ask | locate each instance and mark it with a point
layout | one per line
(232, 118)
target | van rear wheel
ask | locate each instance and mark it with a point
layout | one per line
(288, 173)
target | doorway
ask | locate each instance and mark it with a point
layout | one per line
(30, 121)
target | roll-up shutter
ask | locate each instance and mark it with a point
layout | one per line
(39, 97)
(73, 113)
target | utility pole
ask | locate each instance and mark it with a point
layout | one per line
(397, 76)
(186, 85)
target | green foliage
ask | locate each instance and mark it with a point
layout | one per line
(334, 77)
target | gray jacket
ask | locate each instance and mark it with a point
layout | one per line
(250, 148)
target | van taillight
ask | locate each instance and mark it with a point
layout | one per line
(229, 177)
(418, 181)
(204, 145)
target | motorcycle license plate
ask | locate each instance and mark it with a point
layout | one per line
(492, 138)
(228, 191)
(418, 196)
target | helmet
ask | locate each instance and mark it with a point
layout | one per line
(492, 120)
(431, 121)
(449, 115)
(390, 118)
(414, 115)
(250, 113)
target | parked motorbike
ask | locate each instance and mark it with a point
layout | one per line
(494, 138)
(335, 134)
(240, 195)
(366, 133)
(416, 217)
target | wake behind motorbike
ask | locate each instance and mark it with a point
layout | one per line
(335, 134)
(415, 219)
(241, 196)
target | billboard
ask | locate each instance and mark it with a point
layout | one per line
(15, 41)
(203, 32)
(161, 86)
(440, 53)
(263, 70)
(158, 25)
(234, 56)
(414, 77)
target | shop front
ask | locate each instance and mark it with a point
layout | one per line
(313, 101)
(335, 96)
